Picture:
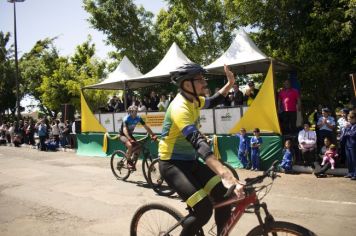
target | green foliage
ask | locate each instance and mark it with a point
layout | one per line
(128, 28)
(7, 76)
(318, 37)
(200, 28)
(64, 84)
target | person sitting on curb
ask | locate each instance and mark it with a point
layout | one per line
(319, 171)
(287, 160)
(307, 144)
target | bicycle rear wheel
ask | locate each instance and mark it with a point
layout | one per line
(119, 166)
(281, 228)
(146, 162)
(155, 219)
(156, 180)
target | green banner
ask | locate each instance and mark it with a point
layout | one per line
(90, 144)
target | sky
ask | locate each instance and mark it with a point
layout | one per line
(65, 19)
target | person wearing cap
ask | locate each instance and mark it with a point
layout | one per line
(255, 142)
(128, 126)
(251, 93)
(307, 143)
(289, 103)
(326, 125)
(195, 182)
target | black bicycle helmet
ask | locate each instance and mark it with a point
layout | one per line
(186, 72)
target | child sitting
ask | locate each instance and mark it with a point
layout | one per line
(287, 160)
(330, 155)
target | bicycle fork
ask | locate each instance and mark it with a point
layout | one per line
(268, 218)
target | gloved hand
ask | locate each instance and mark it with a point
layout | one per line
(228, 180)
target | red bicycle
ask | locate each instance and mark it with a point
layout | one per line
(161, 220)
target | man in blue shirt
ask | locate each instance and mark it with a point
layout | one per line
(128, 126)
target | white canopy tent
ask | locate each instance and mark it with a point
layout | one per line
(120, 78)
(244, 57)
(173, 59)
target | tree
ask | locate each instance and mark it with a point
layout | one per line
(201, 28)
(7, 76)
(40, 62)
(318, 37)
(64, 84)
(128, 28)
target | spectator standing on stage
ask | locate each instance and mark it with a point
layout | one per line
(112, 104)
(244, 144)
(326, 126)
(154, 100)
(163, 103)
(236, 96)
(255, 142)
(348, 138)
(141, 107)
(207, 92)
(251, 93)
(307, 144)
(289, 102)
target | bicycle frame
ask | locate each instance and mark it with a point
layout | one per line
(241, 205)
(141, 147)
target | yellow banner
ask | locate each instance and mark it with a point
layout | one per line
(89, 122)
(262, 113)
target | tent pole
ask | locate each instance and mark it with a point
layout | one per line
(124, 96)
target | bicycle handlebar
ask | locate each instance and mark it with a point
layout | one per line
(271, 172)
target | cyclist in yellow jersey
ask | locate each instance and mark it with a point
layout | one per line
(181, 140)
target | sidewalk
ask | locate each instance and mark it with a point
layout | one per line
(60, 149)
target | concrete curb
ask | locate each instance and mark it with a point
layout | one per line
(61, 149)
(309, 170)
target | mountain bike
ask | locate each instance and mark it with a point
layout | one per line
(122, 166)
(160, 186)
(160, 219)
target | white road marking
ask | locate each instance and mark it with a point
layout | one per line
(318, 200)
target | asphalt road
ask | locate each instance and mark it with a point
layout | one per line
(60, 193)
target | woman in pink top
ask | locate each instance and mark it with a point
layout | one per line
(289, 103)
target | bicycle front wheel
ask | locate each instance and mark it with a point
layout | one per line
(281, 228)
(146, 162)
(119, 166)
(155, 219)
(156, 180)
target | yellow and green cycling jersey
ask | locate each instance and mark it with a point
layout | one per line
(181, 117)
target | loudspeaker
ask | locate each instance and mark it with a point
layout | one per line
(68, 111)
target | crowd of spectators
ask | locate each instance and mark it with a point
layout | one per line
(322, 144)
(46, 134)
(155, 102)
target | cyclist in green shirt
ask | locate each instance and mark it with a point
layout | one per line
(194, 181)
